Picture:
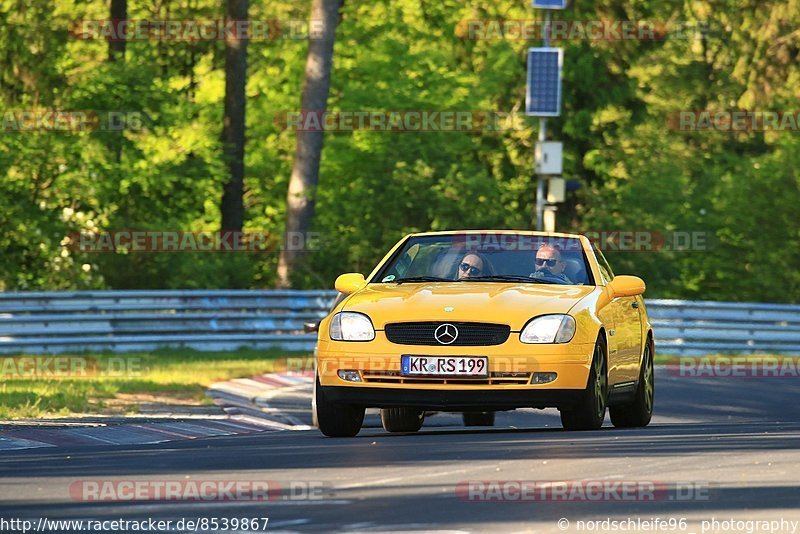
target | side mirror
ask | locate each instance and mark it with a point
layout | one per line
(626, 286)
(310, 328)
(350, 283)
(621, 286)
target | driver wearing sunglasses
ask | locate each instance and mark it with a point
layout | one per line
(549, 264)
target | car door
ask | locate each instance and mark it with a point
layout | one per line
(613, 317)
(623, 321)
(629, 338)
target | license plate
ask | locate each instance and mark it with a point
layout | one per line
(471, 366)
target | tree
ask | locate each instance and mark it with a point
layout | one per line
(739, 189)
(233, 128)
(116, 52)
(308, 151)
(119, 13)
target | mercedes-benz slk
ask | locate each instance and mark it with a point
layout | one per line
(483, 321)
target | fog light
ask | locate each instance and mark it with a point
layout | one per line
(543, 378)
(350, 376)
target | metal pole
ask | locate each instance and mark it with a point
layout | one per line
(540, 185)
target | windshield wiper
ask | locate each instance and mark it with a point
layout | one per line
(508, 278)
(421, 279)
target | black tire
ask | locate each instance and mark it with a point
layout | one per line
(478, 418)
(336, 420)
(639, 412)
(590, 411)
(401, 419)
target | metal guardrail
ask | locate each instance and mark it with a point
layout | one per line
(124, 321)
(692, 328)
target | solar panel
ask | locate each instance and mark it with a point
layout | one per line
(544, 82)
(550, 4)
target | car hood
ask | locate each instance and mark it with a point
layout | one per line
(511, 304)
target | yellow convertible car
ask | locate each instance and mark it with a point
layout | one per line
(483, 321)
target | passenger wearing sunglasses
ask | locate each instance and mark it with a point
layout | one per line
(472, 265)
(549, 264)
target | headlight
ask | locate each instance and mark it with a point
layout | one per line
(548, 329)
(350, 326)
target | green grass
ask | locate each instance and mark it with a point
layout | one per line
(167, 376)
(118, 383)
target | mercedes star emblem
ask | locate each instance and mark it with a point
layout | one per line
(446, 334)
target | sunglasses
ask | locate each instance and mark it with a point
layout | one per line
(542, 261)
(473, 271)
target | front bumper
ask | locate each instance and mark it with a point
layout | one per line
(378, 361)
(454, 399)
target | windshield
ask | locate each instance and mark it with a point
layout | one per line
(487, 257)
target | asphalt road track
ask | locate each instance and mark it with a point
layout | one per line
(734, 441)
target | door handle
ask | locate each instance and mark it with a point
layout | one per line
(635, 305)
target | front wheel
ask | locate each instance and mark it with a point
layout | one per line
(336, 420)
(402, 419)
(590, 411)
(638, 412)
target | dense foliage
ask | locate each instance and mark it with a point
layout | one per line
(636, 173)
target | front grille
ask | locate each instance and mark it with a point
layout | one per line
(469, 334)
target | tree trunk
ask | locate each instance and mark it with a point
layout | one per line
(119, 12)
(233, 128)
(305, 171)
